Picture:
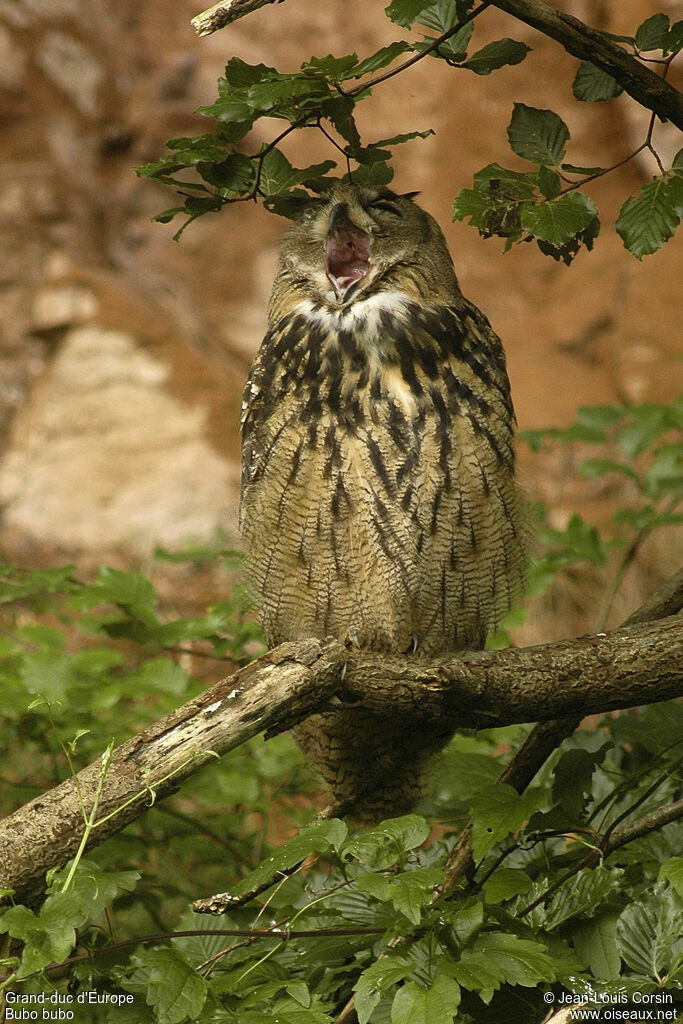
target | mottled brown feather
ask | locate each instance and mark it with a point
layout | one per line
(378, 498)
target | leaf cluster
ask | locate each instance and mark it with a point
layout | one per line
(542, 205)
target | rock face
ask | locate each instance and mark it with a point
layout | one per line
(105, 455)
(122, 354)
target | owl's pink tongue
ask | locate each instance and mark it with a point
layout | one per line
(348, 259)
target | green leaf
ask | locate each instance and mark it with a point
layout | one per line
(376, 980)
(596, 468)
(500, 957)
(506, 883)
(175, 989)
(278, 175)
(573, 775)
(382, 846)
(646, 423)
(549, 182)
(674, 41)
(653, 33)
(646, 221)
(496, 55)
(595, 943)
(128, 590)
(582, 896)
(592, 85)
(537, 135)
(386, 55)
(410, 891)
(405, 12)
(436, 1005)
(240, 75)
(335, 68)
(461, 775)
(320, 837)
(649, 933)
(440, 16)
(18, 584)
(672, 871)
(559, 220)
(497, 811)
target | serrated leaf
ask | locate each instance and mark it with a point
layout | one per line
(549, 182)
(376, 980)
(559, 220)
(592, 85)
(335, 68)
(506, 883)
(595, 943)
(386, 55)
(440, 16)
(496, 55)
(175, 989)
(239, 74)
(672, 871)
(575, 169)
(652, 34)
(582, 896)
(537, 135)
(500, 957)
(405, 12)
(572, 779)
(497, 811)
(646, 221)
(381, 847)
(674, 40)
(278, 175)
(436, 1005)
(649, 933)
(320, 837)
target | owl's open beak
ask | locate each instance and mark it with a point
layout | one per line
(348, 250)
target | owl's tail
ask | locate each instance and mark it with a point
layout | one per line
(372, 765)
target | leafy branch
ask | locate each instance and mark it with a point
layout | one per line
(510, 204)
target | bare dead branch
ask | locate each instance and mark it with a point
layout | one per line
(225, 13)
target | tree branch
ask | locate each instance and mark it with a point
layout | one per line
(581, 40)
(587, 43)
(631, 666)
(224, 13)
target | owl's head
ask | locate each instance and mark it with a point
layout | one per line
(354, 242)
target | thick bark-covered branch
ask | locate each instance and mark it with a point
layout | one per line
(279, 687)
(641, 664)
(533, 684)
(587, 43)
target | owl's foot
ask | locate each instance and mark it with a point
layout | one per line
(351, 638)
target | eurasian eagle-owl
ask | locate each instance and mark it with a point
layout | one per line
(378, 494)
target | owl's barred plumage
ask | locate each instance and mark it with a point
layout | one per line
(378, 498)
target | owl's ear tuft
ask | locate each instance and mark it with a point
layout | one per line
(409, 195)
(295, 205)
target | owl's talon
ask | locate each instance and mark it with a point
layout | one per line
(352, 637)
(414, 643)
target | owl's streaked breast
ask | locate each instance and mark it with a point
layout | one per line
(378, 473)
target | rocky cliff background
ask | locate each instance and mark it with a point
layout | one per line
(123, 353)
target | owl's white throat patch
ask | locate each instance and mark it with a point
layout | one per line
(347, 258)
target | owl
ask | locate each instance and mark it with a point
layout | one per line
(379, 504)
